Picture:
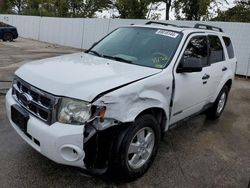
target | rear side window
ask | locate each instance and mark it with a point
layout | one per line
(197, 48)
(229, 46)
(216, 53)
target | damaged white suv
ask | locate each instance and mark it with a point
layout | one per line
(106, 109)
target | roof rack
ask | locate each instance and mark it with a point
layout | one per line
(166, 24)
(161, 23)
(209, 27)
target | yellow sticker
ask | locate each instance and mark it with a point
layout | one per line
(160, 61)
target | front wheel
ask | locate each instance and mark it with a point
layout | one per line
(138, 148)
(218, 107)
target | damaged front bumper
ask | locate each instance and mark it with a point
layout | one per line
(59, 142)
(86, 147)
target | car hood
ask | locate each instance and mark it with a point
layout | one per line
(81, 76)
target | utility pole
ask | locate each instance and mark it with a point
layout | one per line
(150, 9)
(168, 6)
(40, 9)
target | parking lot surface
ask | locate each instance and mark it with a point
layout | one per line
(198, 153)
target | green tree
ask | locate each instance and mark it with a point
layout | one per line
(61, 8)
(58, 8)
(132, 9)
(4, 7)
(168, 5)
(245, 3)
(50, 8)
(196, 9)
(87, 8)
(238, 13)
(191, 9)
(14, 6)
(31, 7)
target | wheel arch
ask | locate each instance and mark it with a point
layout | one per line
(159, 114)
(228, 82)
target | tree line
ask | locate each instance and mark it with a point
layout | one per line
(132, 9)
(239, 13)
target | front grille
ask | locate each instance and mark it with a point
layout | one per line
(39, 103)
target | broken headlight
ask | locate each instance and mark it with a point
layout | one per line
(73, 111)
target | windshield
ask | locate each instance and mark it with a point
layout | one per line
(140, 46)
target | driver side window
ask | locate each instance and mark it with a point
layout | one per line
(197, 49)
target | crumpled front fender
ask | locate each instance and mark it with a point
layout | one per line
(126, 103)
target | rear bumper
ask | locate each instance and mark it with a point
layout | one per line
(59, 142)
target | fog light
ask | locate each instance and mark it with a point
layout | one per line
(71, 153)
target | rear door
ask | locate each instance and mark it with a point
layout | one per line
(217, 62)
(191, 89)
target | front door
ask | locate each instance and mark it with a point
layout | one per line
(192, 88)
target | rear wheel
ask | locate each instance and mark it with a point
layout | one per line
(218, 107)
(8, 37)
(138, 148)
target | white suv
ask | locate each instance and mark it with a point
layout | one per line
(105, 110)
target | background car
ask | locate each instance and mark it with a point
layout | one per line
(8, 32)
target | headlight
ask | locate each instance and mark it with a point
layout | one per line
(72, 111)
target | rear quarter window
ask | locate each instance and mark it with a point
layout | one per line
(229, 46)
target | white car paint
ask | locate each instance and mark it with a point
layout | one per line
(127, 102)
(52, 138)
(191, 95)
(81, 76)
(132, 89)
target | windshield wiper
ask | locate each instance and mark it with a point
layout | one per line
(109, 57)
(117, 58)
(95, 52)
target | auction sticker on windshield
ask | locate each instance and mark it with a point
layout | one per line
(167, 33)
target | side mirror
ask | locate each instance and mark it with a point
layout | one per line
(189, 65)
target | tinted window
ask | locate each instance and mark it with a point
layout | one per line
(216, 50)
(197, 48)
(141, 46)
(229, 46)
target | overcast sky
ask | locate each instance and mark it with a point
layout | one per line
(107, 14)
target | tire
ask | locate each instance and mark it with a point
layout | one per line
(134, 148)
(219, 105)
(8, 37)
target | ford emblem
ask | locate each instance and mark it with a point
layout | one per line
(25, 98)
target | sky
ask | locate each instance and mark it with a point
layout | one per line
(161, 7)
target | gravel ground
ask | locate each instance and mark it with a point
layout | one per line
(198, 153)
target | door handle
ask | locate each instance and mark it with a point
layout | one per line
(224, 69)
(206, 77)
